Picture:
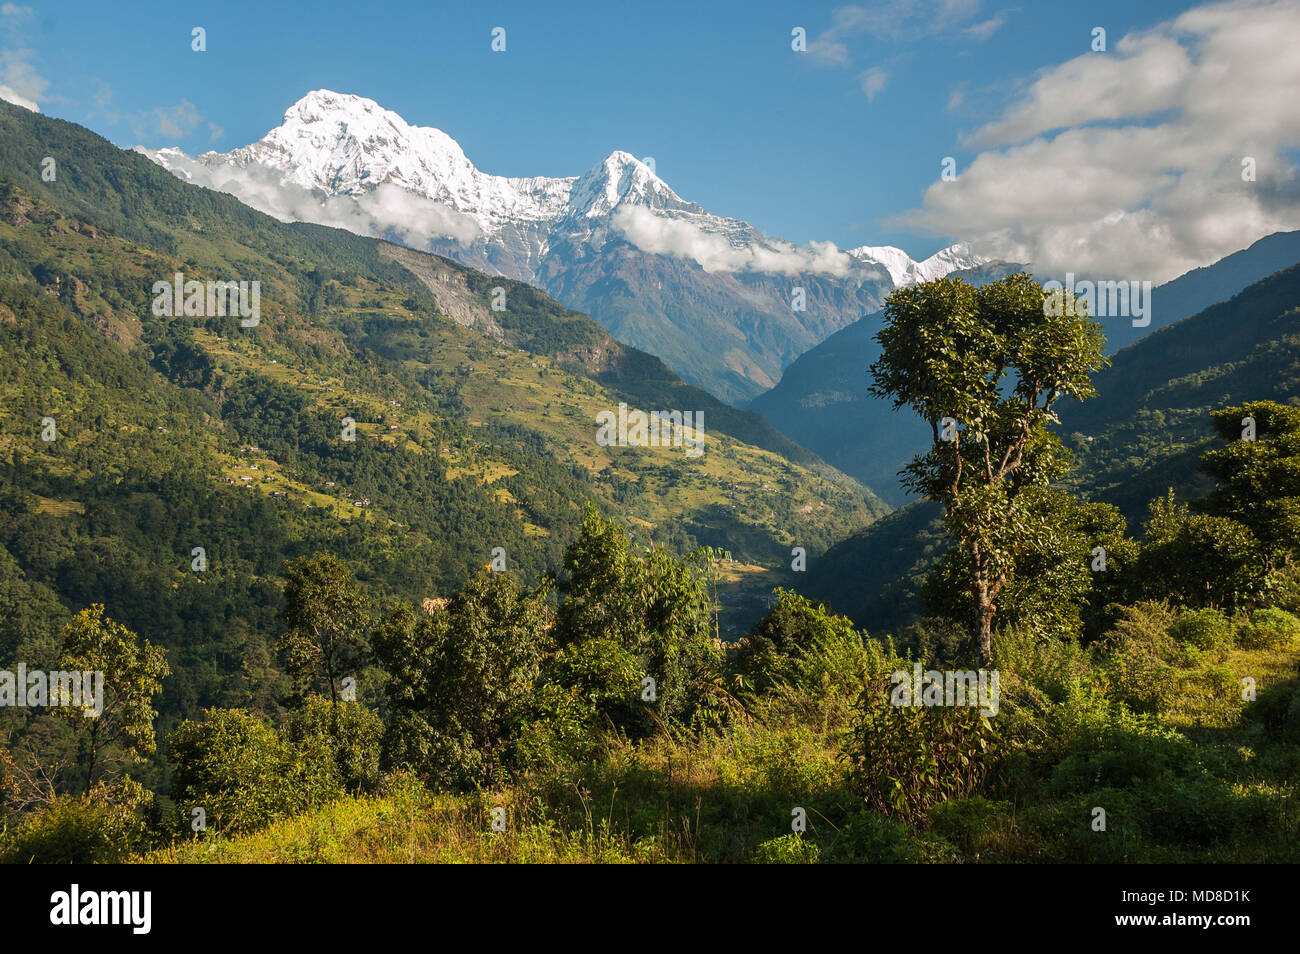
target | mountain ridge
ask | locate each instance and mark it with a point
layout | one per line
(711, 295)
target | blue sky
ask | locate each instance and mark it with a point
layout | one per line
(833, 144)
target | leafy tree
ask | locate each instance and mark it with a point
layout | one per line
(107, 825)
(133, 673)
(460, 678)
(995, 360)
(349, 730)
(1198, 560)
(1258, 480)
(1058, 581)
(793, 627)
(242, 773)
(654, 605)
(326, 613)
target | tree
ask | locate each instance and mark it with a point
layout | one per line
(1059, 581)
(460, 678)
(795, 626)
(243, 774)
(326, 613)
(1198, 559)
(133, 673)
(654, 605)
(1259, 478)
(993, 361)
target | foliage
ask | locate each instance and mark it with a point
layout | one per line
(994, 360)
(461, 679)
(1271, 628)
(653, 605)
(243, 774)
(132, 675)
(326, 613)
(107, 825)
(906, 759)
(349, 731)
(1198, 560)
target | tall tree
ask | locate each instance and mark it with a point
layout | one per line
(654, 605)
(985, 368)
(1258, 475)
(327, 616)
(133, 671)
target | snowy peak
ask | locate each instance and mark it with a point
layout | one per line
(345, 144)
(618, 179)
(904, 270)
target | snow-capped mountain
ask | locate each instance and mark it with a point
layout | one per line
(904, 271)
(711, 295)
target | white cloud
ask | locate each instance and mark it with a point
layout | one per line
(385, 212)
(873, 81)
(1128, 163)
(983, 30)
(171, 122)
(11, 96)
(20, 80)
(659, 235)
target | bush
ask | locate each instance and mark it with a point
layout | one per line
(793, 628)
(243, 774)
(870, 838)
(906, 759)
(1277, 709)
(1117, 749)
(789, 849)
(1207, 630)
(1271, 628)
(975, 826)
(462, 680)
(1138, 655)
(107, 826)
(348, 732)
(1044, 662)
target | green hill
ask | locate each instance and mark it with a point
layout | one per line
(474, 428)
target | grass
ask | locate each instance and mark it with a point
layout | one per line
(729, 795)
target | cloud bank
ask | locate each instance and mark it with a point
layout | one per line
(714, 253)
(388, 211)
(1129, 163)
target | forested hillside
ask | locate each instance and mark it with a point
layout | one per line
(128, 440)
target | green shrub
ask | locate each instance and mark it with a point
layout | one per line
(1277, 709)
(1138, 655)
(107, 826)
(972, 825)
(243, 774)
(906, 759)
(1207, 630)
(350, 734)
(1069, 830)
(1118, 749)
(789, 849)
(1271, 628)
(1046, 663)
(868, 837)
